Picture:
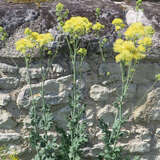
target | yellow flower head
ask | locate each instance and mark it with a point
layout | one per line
(146, 41)
(125, 56)
(118, 23)
(149, 30)
(13, 157)
(44, 39)
(34, 35)
(135, 31)
(137, 40)
(82, 52)
(138, 56)
(27, 31)
(98, 26)
(138, 30)
(128, 51)
(117, 47)
(24, 44)
(77, 26)
(129, 45)
(141, 49)
(32, 40)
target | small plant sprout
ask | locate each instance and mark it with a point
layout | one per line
(62, 15)
(157, 77)
(98, 13)
(3, 34)
(138, 4)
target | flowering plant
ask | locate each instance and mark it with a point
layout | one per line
(77, 26)
(61, 14)
(41, 117)
(75, 137)
(33, 40)
(131, 48)
(118, 24)
(134, 46)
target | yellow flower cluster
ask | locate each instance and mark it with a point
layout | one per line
(24, 44)
(128, 51)
(13, 157)
(32, 40)
(118, 23)
(77, 26)
(82, 52)
(44, 39)
(138, 30)
(137, 40)
(146, 41)
(98, 26)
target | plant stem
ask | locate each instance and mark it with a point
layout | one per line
(33, 107)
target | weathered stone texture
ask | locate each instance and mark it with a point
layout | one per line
(150, 110)
(9, 137)
(139, 147)
(9, 83)
(6, 120)
(8, 68)
(4, 99)
(56, 92)
(101, 93)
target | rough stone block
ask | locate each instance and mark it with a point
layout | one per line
(6, 120)
(8, 83)
(4, 99)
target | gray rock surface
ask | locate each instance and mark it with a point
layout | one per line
(101, 93)
(8, 68)
(4, 99)
(9, 82)
(139, 146)
(56, 92)
(35, 73)
(84, 66)
(107, 113)
(133, 16)
(6, 120)
(56, 68)
(60, 116)
(9, 137)
(112, 68)
(14, 16)
(145, 73)
(150, 110)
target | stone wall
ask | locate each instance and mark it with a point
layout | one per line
(99, 89)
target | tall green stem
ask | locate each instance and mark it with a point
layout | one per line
(33, 107)
(125, 84)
